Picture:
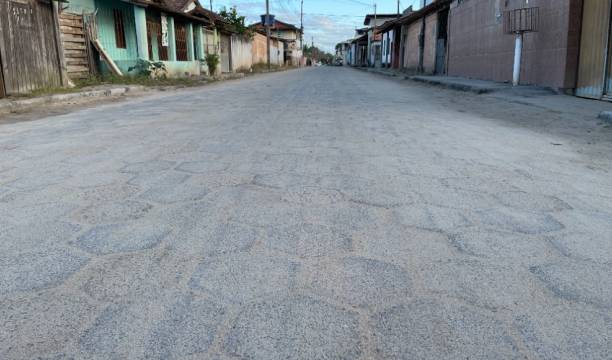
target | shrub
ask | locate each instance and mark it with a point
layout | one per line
(212, 60)
(152, 69)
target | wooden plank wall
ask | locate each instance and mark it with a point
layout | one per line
(593, 48)
(76, 45)
(28, 48)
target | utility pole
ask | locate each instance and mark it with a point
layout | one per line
(268, 30)
(302, 30)
(211, 9)
(372, 49)
(398, 8)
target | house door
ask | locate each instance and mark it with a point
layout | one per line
(396, 49)
(28, 46)
(441, 42)
(594, 67)
(157, 52)
(225, 54)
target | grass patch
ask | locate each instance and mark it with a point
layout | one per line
(136, 80)
(263, 67)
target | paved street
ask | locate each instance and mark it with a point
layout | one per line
(325, 213)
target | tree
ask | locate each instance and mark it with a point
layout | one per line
(232, 17)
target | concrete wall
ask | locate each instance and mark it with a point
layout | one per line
(242, 58)
(479, 48)
(127, 56)
(80, 6)
(258, 50)
(411, 46)
(429, 50)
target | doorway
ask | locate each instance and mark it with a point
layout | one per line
(225, 53)
(441, 41)
(595, 64)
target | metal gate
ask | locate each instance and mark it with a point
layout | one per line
(157, 52)
(28, 46)
(180, 33)
(225, 53)
(594, 67)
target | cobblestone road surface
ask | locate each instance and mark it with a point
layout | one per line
(315, 214)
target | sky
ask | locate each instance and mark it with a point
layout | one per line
(326, 22)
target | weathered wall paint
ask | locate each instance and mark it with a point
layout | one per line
(242, 58)
(183, 68)
(189, 36)
(171, 40)
(140, 20)
(199, 42)
(80, 6)
(106, 32)
(258, 50)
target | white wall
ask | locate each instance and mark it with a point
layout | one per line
(242, 58)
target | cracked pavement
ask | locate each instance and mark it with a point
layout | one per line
(317, 214)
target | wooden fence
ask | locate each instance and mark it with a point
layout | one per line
(29, 49)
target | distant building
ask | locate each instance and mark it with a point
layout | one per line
(374, 49)
(290, 35)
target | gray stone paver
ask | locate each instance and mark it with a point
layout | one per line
(440, 331)
(314, 214)
(299, 327)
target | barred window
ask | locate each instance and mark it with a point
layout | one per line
(119, 29)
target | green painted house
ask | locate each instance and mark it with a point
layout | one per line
(177, 32)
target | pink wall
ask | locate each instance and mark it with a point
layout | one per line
(479, 48)
(411, 48)
(431, 34)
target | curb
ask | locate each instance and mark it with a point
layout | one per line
(8, 106)
(453, 86)
(375, 71)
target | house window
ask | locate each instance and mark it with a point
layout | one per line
(180, 35)
(119, 29)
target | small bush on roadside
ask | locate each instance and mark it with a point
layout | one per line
(152, 69)
(212, 61)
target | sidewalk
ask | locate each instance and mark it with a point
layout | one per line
(536, 96)
(461, 84)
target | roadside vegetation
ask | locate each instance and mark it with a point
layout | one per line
(106, 80)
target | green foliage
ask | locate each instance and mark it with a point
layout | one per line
(232, 17)
(212, 60)
(153, 69)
